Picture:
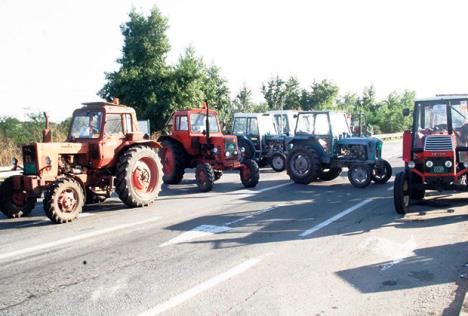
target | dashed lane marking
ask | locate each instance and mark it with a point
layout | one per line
(202, 287)
(60, 242)
(334, 218)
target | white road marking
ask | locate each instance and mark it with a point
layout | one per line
(202, 287)
(334, 218)
(389, 249)
(197, 232)
(60, 242)
(207, 230)
(86, 214)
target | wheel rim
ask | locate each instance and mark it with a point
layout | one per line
(68, 200)
(144, 175)
(300, 164)
(278, 162)
(359, 175)
(169, 163)
(380, 173)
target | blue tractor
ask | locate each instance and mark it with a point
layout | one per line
(323, 145)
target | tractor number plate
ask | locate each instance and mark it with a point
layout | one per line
(439, 169)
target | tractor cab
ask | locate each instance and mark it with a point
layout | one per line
(437, 147)
(435, 150)
(106, 128)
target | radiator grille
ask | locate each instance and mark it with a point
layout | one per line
(438, 143)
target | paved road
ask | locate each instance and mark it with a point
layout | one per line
(322, 249)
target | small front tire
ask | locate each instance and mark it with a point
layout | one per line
(205, 177)
(249, 173)
(7, 204)
(382, 173)
(278, 162)
(360, 175)
(401, 193)
(64, 200)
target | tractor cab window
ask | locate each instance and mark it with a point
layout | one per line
(339, 125)
(86, 125)
(460, 123)
(305, 124)
(113, 125)
(240, 126)
(322, 127)
(282, 124)
(128, 123)
(253, 127)
(198, 123)
(181, 123)
(431, 119)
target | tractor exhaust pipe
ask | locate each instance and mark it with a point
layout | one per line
(207, 122)
(46, 133)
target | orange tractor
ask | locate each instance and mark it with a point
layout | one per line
(104, 152)
(196, 141)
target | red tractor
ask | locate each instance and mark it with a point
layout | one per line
(104, 152)
(196, 141)
(435, 152)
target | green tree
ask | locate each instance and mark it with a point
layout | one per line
(143, 80)
(292, 94)
(274, 92)
(322, 96)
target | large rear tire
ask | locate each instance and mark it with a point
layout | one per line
(249, 173)
(382, 173)
(205, 177)
(10, 207)
(139, 176)
(401, 193)
(303, 164)
(330, 174)
(64, 200)
(173, 159)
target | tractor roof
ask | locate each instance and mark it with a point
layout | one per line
(107, 107)
(444, 97)
(242, 114)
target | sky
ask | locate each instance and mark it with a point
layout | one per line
(54, 53)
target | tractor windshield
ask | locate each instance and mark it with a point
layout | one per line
(198, 123)
(437, 119)
(86, 125)
(313, 124)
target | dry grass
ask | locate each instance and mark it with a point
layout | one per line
(8, 150)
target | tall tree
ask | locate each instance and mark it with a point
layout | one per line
(143, 78)
(292, 94)
(322, 96)
(274, 92)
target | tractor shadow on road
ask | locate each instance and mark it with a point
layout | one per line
(426, 267)
(295, 208)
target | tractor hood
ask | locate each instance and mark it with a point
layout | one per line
(359, 141)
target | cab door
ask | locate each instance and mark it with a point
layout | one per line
(114, 136)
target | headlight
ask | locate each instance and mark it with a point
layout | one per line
(411, 164)
(242, 149)
(215, 150)
(429, 164)
(48, 161)
(448, 164)
(465, 164)
(235, 152)
(228, 154)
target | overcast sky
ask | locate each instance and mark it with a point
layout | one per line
(53, 54)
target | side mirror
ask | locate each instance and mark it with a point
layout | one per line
(406, 112)
(204, 132)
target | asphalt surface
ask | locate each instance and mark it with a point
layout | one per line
(279, 249)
